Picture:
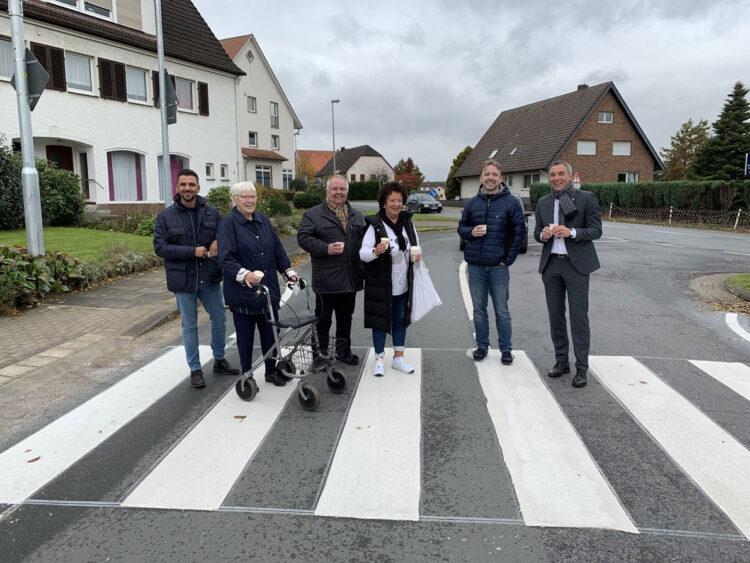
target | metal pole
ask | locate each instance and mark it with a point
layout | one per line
(166, 175)
(32, 203)
(670, 214)
(610, 210)
(737, 220)
(333, 135)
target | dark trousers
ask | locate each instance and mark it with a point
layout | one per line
(559, 278)
(245, 327)
(343, 305)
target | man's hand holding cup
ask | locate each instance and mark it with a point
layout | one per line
(336, 248)
(479, 231)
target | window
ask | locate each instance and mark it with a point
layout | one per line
(252, 104)
(101, 8)
(184, 90)
(78, 72)
(621, 148)
(529, 179)
(492, 154)
(628, 177)
(275, 142)
(6, 58)
(508, 180)
(126, 176)
(135, 79)
(53, 61)
(112, 81)
(352, 177)
(605, 117)
(263, 176)
(274, 115)
(586, 148)
(373, 178)
(209, 171)
(224, 170)
(361, 177)
(287, 178)
(252, 138)
(514, 151)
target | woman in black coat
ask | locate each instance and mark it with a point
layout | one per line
(386, 254)
(251, 254)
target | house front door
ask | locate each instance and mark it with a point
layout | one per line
(60, 156)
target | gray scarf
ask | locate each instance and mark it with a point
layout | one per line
(565, 197)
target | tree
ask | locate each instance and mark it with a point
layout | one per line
(685, 144)
(408, 174)
(452, 185)
(723, 155)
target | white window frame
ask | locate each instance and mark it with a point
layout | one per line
(11, 67)
(252, 104)
(80, 6)
(264, 168)
(72, 88)
(224, 171)
(275, 142)
(584, 148)
(630, 177)
(605, 117)
(621, 148)
(249, 143)
(145, 84)
(493, 153)
(274, 122)
(180, 107)
(209, 169)
(287, 175)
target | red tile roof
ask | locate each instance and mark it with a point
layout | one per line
(261, 154)
(316, 159)
(233, 45)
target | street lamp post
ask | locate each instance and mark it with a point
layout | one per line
(333, 135)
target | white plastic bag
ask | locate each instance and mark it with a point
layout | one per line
(424, 297)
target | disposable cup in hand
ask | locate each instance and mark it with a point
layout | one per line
(482, 230)
(416, 253)
(386, 240)
(259, 275)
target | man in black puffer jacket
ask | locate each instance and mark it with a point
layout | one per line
(185, 236)
(488, 222)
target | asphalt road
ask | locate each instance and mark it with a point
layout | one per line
(116, 501)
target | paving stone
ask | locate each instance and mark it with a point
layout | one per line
(37, 361)
(14, 370)
(57, 352)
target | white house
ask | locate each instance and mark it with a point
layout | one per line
(267, 122)
(99, 115)
(359, 164)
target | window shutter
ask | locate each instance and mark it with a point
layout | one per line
(155, 82)
(202, 98)
(106, 79)
(53, 61)
(120, 89)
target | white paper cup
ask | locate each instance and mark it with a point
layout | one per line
(416, 252)
(386, 240)
(259, 275)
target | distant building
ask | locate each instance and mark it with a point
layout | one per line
(310, 162)
(359, 164)
(267, 123)
(592, 128)
(436, 189)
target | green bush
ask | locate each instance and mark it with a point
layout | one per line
(306, 200)
(11, 192)
(275, 207)
(146, 226)
(359, 191)
(135, 223)
(298, 185)
(221, 199)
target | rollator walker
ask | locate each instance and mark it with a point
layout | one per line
(298, 354)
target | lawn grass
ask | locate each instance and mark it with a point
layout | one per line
(88, 245)
(741, 281)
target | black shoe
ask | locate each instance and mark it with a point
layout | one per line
(506, 358)
(558, 369)
(223, 367)
(349, 358)
(276, 378)
(580, 378)
(196, 379)
(479, 354)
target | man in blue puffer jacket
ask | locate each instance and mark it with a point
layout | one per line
(492, 224)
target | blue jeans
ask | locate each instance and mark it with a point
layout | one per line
(213, 302)
(493, 281)
(398, 327)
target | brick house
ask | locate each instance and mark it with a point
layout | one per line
(592, 128)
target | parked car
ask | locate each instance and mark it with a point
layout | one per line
(525, 243)
(423, 203)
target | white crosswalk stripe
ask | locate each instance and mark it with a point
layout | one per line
(734, 375)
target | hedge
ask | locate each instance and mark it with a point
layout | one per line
(271, 202)
(359, 191)
(714, 194)
(306, 200)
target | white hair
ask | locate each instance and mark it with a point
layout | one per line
(242, 187)
(339, 177)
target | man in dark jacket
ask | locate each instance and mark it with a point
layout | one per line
(492, 224)
(332, 233)
(185, 236)
(568, 221)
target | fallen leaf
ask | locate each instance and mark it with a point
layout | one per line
(240, 417)
(37, 458)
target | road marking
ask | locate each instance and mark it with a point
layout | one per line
(556, 480)
(737, 253)
(666, 244)
(610, 226)
(734, 375)
(36, 460)
(683, 234)
(708, 454)
(202, 468)
(376, 470)
(464, 282)
(733, 322)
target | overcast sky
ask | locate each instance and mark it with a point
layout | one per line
(426, 78)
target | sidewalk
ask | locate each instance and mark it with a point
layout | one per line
(78, 328)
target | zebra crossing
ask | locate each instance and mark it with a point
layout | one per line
(377, 460)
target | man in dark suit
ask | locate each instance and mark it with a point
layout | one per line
(567, 223)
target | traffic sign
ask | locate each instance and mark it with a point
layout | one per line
(36, 78)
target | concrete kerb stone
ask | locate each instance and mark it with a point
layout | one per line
(737, 291)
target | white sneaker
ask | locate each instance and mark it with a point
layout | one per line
(401, 364)
(378, 369)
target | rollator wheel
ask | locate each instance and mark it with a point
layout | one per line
(336, 382)
(286, 366)
(250, 390)
(309, 397)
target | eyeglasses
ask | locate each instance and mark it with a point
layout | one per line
(247, 196)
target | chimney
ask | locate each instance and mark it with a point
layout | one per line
(342, 149)
(582, 87)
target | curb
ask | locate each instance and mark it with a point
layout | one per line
(151, 322)
(737, 291)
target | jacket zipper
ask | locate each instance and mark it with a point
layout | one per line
(486, 216)
(195, 238)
